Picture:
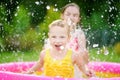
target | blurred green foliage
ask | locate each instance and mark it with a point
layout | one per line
(21, 20)
(117, 48)
(50, 16)
(24, 23)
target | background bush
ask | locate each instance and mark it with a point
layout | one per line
(24, 23)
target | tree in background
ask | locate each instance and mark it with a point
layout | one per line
(21, 18)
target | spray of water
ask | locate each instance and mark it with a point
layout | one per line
(61, 47)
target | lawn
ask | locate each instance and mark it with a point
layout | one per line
(95, 55)
(18, 56)
(101, 55)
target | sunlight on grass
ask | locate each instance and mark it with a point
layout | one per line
(95, 54)
(18, 56)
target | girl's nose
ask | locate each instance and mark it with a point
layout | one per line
(58, 40)
(71, 17)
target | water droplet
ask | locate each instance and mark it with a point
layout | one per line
(37, 3)
(95, 45)
(48, 7)
(106, 52)
(55, 9)
(16, 14)
(69, 22)
(61, 47)
(102, 16)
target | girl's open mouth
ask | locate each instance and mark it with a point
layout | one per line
(59, 47)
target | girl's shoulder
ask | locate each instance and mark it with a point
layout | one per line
(43, 52)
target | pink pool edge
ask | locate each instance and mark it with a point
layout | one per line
(12, 71)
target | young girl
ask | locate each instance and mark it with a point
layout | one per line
(58, 60)
(71, 16)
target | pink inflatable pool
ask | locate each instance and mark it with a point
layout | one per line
(103, 71)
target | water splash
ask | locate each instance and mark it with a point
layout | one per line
(106, 52)
(69, 22)
(47, 7)
(37, 3)
(95, 45)
(61, 47)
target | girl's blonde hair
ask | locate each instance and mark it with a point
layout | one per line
(60, 23)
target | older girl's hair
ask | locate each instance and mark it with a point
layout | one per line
(70, 4)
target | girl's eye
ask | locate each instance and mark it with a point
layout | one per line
(75, 15)
(62, 37)
(67, 14)
(53, 36)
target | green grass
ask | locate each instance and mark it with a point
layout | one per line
(18, 56)
(33, 56)
(99, 55)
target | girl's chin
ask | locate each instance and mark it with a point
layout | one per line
(58, 48)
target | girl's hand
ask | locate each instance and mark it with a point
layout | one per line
(89, 73)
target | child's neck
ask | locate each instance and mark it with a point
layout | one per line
(58, 55)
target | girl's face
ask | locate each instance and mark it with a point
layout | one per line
(71, 13)
(58, 37)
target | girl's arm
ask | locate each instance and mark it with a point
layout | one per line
(79, 61)
(82, 44)
(38, 65)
